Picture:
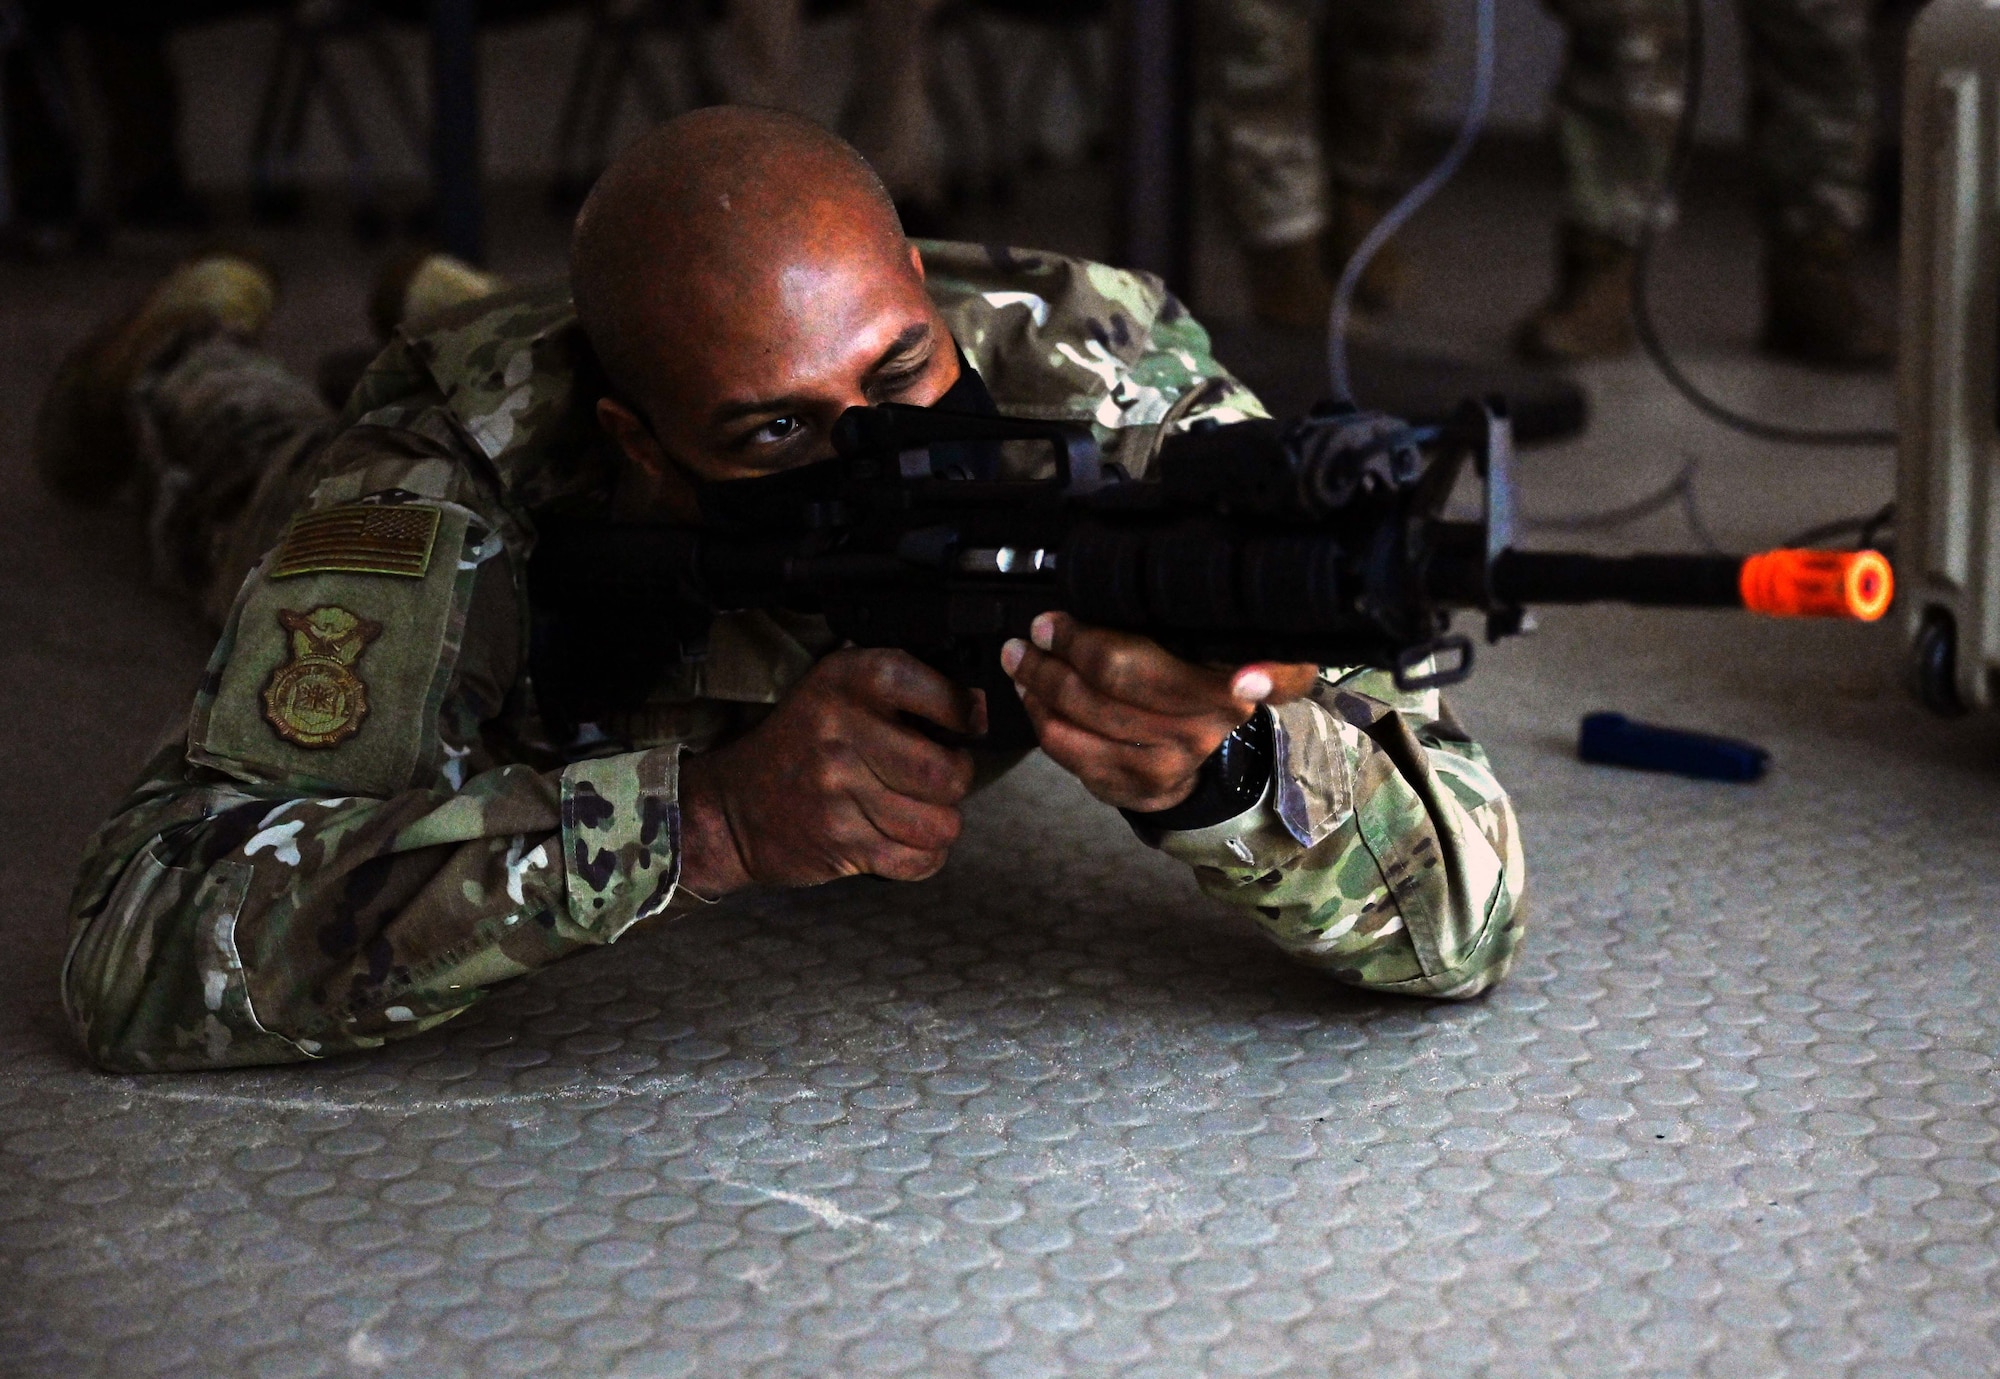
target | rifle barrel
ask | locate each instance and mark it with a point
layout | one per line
(1527, 578)
(1855, 585)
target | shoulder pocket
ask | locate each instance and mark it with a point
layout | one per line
(338, 653)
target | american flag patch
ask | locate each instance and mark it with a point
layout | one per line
(359, 538)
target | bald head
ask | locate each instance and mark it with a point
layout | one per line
(711, 233)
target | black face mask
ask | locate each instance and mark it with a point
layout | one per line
(967, 397)
(781, 498)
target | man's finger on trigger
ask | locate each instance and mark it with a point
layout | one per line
(907, 762)
(909, 822)
(897, 682)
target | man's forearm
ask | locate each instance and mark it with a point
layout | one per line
(1385, 854)
(218, 926)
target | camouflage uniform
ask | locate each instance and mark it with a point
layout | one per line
(364, 823)
(1620, 97)
(1308, 96)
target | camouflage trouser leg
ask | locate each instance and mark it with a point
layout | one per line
(227, 437)
(1618, 103)
(1278, 140)
(1261, 117)
(1812, 112)
(1377, 57)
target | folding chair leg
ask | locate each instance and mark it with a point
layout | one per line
(7, 208)
(604, 113)
(704, 86)
(370, 220)
(572, 178)
(646, 79)
(280, 195)
(274, 117)
(402, 101)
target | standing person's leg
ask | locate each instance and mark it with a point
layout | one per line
(1262, 128)
(1618, 105)
(891, 116)
(1812, 111)
(1377, 56)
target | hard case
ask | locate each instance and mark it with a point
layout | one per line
(1948, 462)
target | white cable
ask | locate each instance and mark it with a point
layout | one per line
(1412, 201)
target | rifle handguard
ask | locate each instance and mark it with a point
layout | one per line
(1323, 542)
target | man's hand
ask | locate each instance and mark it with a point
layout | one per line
(834, 783)
(1131, 721)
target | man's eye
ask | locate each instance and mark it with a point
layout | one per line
(896, 384)
(777, 431)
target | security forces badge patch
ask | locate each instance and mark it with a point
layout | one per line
(372, 590)
(315, 699)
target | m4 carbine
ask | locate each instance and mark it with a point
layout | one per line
(1323, 540)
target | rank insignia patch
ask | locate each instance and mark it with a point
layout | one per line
(315, 699)
(359, 538)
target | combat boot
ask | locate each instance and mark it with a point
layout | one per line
(1289, 287)
(85, 446)
(1590, 314)
(1813, 312)
(1351, 216)
(416, 286)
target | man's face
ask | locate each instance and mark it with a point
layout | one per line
(779, 359)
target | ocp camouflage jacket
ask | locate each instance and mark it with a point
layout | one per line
(364, 823)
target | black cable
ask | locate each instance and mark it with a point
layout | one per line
(1867, 529)
(1642, 311)
(1679, 489)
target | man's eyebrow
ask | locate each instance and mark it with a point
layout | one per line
(910, 338)
(763, 406)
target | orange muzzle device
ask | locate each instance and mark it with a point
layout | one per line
(1818, 584)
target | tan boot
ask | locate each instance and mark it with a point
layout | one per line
(1813, 312)
(84, 447)
(1288, 285)
(1352, 216)
(1590, 314)
(419, 285)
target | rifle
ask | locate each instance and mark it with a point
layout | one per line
(1324, 540)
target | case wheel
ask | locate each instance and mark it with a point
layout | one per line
(1934, 664)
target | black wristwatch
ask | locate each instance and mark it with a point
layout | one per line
(1232, 780)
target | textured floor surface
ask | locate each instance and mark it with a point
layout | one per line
(1735, 1114)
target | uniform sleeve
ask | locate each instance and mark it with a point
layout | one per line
(334, 854)
(1384, 852)
(1069, 340)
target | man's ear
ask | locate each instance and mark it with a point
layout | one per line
(652, 484)
(632, 436)
(917, 262)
